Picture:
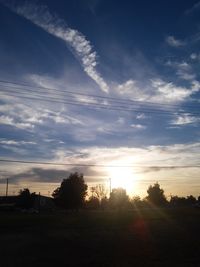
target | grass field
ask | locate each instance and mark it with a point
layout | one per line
(162, 237)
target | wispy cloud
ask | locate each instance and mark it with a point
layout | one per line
(195, 56)
(131, 89)
(16, 142)
(76, 41)
(193, 9)
(183, 69)
(168, 91)
(39, 174)
(10, 121)
(172, 41)
(185, 75)
(157, 90)
(27, 117)
(138, 126)
(149, 155)
(141, 116)
(185, 120)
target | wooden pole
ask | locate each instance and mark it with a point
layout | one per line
(6, 187)
(39, 202)
(110, 186)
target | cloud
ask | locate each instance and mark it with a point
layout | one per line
(149, 155)
(27, 117)
(169, 92)
(138, 126)
(186, 76)
(59, 117)
(183, 69)
(195, 86)
(172, 41)
(39, 175)
(128, 88)
(195, 56)
(16, 143)
(76, 41)
(22, 112)
(185, 120)
(10, 121)
(51, 175)
(141, 116)
(146, 161)
(193, 9)
(104, 130)
(120, 121)
(157, 90)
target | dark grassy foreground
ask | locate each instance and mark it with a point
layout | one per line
(160, 237)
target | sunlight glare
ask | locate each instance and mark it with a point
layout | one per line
(122, 177)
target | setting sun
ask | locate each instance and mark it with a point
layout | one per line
(122, 177)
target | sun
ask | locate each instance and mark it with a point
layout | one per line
(122, 177)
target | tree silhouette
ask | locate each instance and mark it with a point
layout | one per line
(100, 191)
(25, 198)
(93, 203)
(136, 202)
(176, 201)
(191, 200)
(156, 195)
(71, 194)
(118, 198)
(104, 203)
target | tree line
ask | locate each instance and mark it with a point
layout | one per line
(73, 194)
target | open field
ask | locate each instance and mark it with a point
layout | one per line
(162, 237)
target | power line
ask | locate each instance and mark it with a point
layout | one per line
(121, 100)
(38, 95)
(43, 94)
(98, 165)
(98, 106)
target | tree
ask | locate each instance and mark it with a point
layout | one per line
(191, 200)
(176, 201)
(136, 201)
(99, 191)
(93, 203)
(25, 198)
(71, 194)
(104, 203)
(156, 195)
(119, 198)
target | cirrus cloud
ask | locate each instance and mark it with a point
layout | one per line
(75, 40)
(172, 41)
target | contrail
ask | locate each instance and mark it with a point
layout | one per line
(76, 41)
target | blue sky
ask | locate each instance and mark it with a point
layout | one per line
(143, 54)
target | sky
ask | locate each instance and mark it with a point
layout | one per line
(109, 88)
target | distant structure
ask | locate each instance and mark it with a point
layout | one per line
(41, 203)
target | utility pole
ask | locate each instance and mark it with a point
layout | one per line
(6, 187)
(39, 197)
(110, 185)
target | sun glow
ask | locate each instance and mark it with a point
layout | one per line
(122, 177)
